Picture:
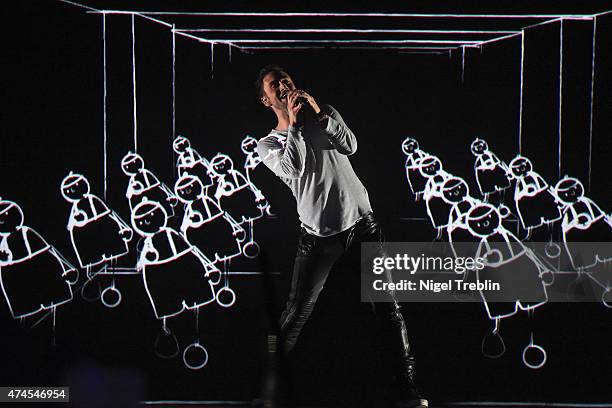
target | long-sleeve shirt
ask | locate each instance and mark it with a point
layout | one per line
(313, 162)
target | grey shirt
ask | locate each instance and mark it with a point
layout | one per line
(314, 163)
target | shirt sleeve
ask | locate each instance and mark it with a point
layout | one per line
(341, 137)
(286, 160)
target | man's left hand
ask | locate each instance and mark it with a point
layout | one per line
(311, 101)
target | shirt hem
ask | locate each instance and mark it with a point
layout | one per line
(342, 229)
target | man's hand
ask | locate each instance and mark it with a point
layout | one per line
(294, 107)
(311, 101)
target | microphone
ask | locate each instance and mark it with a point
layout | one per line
(302, 100)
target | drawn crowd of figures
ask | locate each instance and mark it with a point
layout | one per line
(459, 216)
(182, 269)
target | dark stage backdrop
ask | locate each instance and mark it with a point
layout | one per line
(53, 124)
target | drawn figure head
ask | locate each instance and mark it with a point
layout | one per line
(132, 163)
(248, 145)
(520, 166)
(149, 217)
(181, 144)
(430, 166)
(74, 187)
(478, 147)
(273, 85)
(454, 190)
(11, 217)
(188, 188)
(221, 164)
(569, 190)
(483, 220)
(409, 145)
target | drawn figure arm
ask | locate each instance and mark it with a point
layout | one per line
(195, 155)
(478, 163)
(593, 208)
(99, 205)
(77, 218)
(428, 192)
(6, 255)
(148, 255)
(540, 183)
(125, 231)
(212, 272)
(135, 187)
(193, 218)
(489, 160)
(237, 230)
(241, 180)
(529, 184)
(454, 218)
(492, 256)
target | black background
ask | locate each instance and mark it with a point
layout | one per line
(52, 124)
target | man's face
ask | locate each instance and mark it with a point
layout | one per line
(276, 86)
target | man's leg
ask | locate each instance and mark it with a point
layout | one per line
(396, 350)
(314, 260)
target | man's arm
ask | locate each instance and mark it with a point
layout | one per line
(341, 137)
(285, 161)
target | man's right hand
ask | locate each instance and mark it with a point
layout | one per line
(294, 107)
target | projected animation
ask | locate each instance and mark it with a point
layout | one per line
(160, 233)
(176, 276)
(211, 230)
(143, 184)
(438, 209)
(416, 180)
(535, 203)
(583, 221)
(190, 162)
(97, 233)
(505, 257)
(456, 192)
(34, 275)
(239, 198)
(468, 219)
(252, 160)
(492, 175)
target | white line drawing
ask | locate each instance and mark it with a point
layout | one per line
(492, 174)
(506, 257)
(176, 275)
(456, 192)
(534, 356)
(492, 344)
(195, 355)
(510, 263)
(249, 148)
(583, 221)
(166, 344)
(438, 210)
(535, 202)
(34, 275)
(97, 233)
(239, 198)
(205, 225)
(191, 162)
(143, 184)
(416, 180)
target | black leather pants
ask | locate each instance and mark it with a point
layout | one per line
(316, 256)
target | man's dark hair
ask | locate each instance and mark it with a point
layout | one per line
(262, 74)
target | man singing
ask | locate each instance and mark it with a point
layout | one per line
(308, 150)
